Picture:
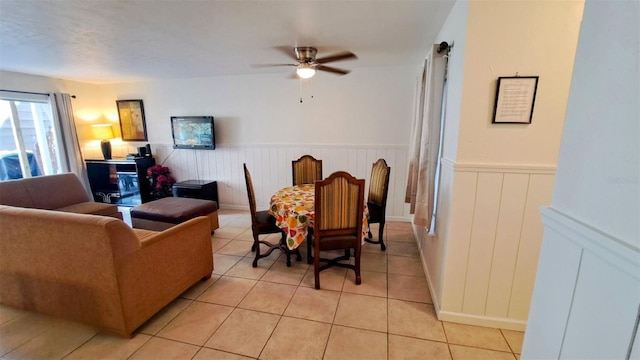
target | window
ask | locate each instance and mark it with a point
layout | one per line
(29, 136)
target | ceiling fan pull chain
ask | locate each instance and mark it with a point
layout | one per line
(300, 89)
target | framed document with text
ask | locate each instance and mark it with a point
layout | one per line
(515, 97)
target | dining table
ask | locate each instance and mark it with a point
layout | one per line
(294, 210)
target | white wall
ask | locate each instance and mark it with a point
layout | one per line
(496, 176)
(350, 122)
(600, 148)
(433, 249)
(587, 290)
(89, 105)
(368, 106)
(23, 82)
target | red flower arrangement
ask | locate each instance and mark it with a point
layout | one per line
(160, 180)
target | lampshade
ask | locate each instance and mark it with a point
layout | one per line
(305, 70)
(104, 132)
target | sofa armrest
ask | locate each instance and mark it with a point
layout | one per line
(167, 264)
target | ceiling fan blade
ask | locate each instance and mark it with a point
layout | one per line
(289, 51)
(271, 65)
(341, 56)
(332, 70)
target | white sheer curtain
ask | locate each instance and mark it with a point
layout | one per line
(73, 156)
(416, 134)
(425, 141)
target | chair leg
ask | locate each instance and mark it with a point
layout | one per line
(285, 249)
(358, 278)
(309, 257)
(255, 241)
(380, 232)
(256, 248)
(316, 268)
(370, 240)
(288, 259)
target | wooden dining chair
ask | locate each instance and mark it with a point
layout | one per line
(377, 199)
(339, 207)
(262, 223)
(306, 170)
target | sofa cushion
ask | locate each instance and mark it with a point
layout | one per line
(14, 193)
(55, 191)
(92, 208)
(43, 192)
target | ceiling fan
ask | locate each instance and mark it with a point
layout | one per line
(307, 64)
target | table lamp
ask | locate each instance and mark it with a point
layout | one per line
(104, 133)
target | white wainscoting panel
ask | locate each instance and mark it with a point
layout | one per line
(270, 167)
(586, 302)
(458, 241)
(509, 227)
(493, 236)
(539, 195)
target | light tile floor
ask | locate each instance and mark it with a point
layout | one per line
(273, 312)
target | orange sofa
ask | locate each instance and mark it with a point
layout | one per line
(61, 192)
(96, 269)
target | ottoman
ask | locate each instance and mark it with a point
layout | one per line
(164, 213)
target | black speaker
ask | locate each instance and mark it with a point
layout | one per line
(148, 147)
(142, 151)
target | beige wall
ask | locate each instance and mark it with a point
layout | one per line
(496, 176)
(505, 38)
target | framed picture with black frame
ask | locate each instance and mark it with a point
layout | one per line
(132, 124)
(515, 97)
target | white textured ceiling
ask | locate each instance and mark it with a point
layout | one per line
(131, 40)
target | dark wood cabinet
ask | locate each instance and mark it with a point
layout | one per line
(198, 189)
(120, 181)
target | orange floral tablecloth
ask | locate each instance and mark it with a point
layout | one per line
(294, 210)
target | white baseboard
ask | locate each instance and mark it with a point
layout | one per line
(481, 320)
(462, 318)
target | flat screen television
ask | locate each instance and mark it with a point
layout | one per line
(193, 132)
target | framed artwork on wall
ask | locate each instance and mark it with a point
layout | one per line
(515, 96)
(132, 123)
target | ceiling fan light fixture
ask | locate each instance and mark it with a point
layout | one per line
(305, 70)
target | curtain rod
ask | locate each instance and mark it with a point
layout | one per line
(30, 92)
(24, 92)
